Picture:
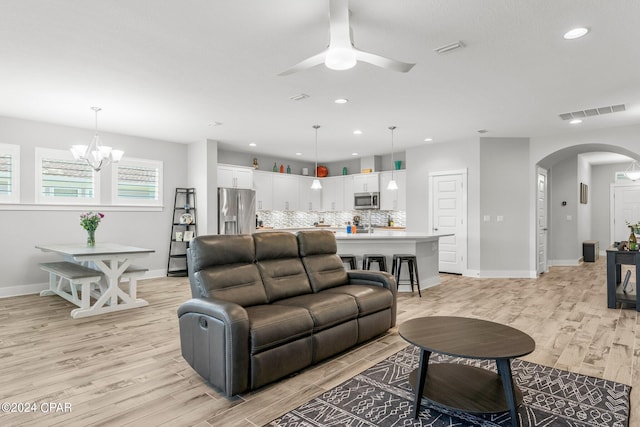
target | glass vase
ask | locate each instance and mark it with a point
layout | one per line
(91, 238)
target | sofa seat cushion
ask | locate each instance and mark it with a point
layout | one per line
(370, 298)
(274, 325)
(326, 309)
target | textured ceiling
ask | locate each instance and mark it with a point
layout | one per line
(168, 69)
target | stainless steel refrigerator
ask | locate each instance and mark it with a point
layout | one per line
(236, 211)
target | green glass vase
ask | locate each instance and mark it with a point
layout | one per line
(91, 238)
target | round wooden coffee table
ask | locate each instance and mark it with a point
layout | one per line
(462, 387)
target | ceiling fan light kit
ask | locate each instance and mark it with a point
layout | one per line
(341, 53)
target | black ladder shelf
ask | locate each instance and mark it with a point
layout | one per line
(183, 229)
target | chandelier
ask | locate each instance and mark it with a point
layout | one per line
(95, 154)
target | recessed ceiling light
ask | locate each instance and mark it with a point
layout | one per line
(341, 101)
(252, 144)
(354, 154)
(575, 33)
(575, 122)
(357, 132)
(428, 139)
(212, 124)
(298, 154)
(482, 131)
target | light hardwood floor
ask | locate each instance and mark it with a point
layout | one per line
(126, 369)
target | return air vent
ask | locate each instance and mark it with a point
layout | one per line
(581, 114)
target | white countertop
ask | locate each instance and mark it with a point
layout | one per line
(390, 235)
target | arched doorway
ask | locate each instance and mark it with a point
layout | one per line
(563, 219)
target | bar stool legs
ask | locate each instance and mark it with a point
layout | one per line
(412, 265)
(367, 259)
(349, 259)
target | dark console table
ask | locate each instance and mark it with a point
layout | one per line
(462, 387)
(615, 294)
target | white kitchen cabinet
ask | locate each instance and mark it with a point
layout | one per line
(393, 200)
(333, 197)
(235, 176)
(285, 192)
(366, 183)
(347, 198)
(308, 199)
(263, 184)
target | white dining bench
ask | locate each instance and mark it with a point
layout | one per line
(66, 279)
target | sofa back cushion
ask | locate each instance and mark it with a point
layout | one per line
(223, 267)
(318, 252)
(280, 266)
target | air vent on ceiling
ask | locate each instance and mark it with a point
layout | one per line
(299, 97)
(593, 112)
(449, 47)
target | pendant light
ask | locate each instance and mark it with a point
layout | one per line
(95, 154)
(392, 184)
(315, 185)
(633, 171)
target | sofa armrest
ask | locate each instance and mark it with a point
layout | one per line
(214, 337)
(368, 277)
(377, 278)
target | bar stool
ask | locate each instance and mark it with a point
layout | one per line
(349, 259)
(412, 264)
(367, 259)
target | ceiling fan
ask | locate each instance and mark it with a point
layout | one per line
(341, 53)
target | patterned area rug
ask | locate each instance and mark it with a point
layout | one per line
(382, 396)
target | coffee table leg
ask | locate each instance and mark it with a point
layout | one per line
(422, 375)
(504, 370)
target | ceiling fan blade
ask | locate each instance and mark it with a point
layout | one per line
(306, 64)
(381, 61)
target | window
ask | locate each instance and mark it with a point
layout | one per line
(61, 179)
(9, 173)
(137, 182)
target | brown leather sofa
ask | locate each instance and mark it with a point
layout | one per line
(270, 304)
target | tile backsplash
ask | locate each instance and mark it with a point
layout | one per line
(295, 219)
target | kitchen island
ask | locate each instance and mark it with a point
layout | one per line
(424, 246)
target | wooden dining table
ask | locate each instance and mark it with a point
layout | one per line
(113, 260)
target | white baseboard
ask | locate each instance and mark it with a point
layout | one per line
(424, 284)
(35, 288)
(14, 291)
(564, 262)
(506, 274)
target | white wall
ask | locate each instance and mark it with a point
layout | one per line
(584, 210)
(504, 245)
(602, 176)
(26, 225)
(204, 179)
(563, 221)
(428, 158)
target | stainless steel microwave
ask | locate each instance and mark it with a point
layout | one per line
(366, 200)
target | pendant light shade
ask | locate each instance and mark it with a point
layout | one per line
(315, 185)
(633, 172)
(393, 185)
(95, 154)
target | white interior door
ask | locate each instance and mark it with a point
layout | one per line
(449, 216)
(541, 229)
(626, 208)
